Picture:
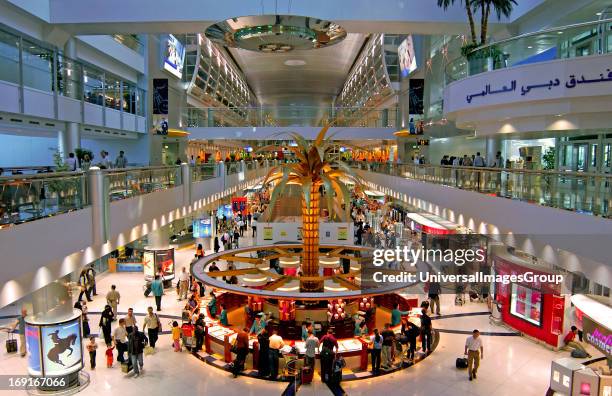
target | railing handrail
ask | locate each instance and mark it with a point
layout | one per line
(45, 175)
(139, 168)
(543, 31)
(490, 169)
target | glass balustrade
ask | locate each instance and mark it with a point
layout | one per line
(280, 116)
(27, 197)
(30, 197)
(579, 192)
(585, 39)
(132, 182)
(203, 172)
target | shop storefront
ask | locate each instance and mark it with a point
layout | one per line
(533, 308)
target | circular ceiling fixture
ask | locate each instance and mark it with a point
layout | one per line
(294, 62)
(276, 33)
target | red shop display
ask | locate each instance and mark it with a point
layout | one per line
(533, 309)
(239, 204)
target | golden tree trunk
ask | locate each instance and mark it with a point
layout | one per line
(310, 235)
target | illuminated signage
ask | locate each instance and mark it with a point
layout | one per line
(597, 335)
(61, 348)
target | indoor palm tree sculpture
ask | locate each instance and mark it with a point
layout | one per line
(315, 168)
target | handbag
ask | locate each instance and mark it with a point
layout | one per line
(234, 348)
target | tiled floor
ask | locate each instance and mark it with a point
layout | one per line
(512, 365)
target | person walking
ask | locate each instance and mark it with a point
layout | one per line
(136, 345)
(478, 160)
(91, 280)
(20, 326)
(84, 286)
(474, 351)
(105, 163)
(84, 318)
(112, 299)
(263, 363)
(176, 336)
(426, 331)
(330, 343)
(105, 323)
(312, 344)
(120, 336)
(223, 316)
(376, 341)
(254, 227)
(216, 244)
(157, 288)
(71, 162)
(152, 322)
(242, 350)
(388, 337)
(130, 321)
(121, 161)
(91, 348)
(276, 343)
(183, 284)
(434, 297)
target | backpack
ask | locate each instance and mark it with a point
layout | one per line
(579, 354)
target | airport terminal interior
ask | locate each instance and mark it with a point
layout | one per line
(306, 197)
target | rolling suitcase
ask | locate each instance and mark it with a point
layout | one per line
(307, 374)
(461, 363)
(147, 291)
(11, 343)
(126, 366)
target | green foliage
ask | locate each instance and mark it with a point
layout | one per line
(467, 49)
(80, 154)
(549, 158)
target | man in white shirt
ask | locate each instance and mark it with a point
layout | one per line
(183, 284)
(120, 336)
(276, 343)
(474, 352)
(71, 162)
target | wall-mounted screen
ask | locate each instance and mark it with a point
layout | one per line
(174, 56)
(526, 303)
(416, 91)
(407, 58)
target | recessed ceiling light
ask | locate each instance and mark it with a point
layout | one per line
(530, 46)
(559, 32)
(295, 62)
(598, 13)
(558, 115)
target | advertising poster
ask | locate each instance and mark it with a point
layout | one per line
(61, 347)
(300, 233)
(227, 211)
(160, 96)
(417, 89)
(165, 261)
(202, 228)
(406, 55)
(268, 233)
(148, 264)
(174, 56)
(342, 233)
(32, 334)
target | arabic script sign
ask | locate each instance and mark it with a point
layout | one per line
(572, 81)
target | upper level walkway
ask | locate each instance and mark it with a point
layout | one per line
(57, 223)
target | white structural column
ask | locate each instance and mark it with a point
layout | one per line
(70, 138)
(494, 144)
(99, 200)
(186, 180)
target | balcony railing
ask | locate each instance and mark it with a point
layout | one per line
(25, 198)
(285, 116)
(584, 39)
(588, 193)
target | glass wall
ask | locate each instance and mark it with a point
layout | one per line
(47, 69)
(37, 67)
(9, 57)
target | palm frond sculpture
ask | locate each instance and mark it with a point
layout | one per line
(314, 169)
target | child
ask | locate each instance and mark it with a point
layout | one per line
(109, 355)
(176, 336)
(91, 348)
